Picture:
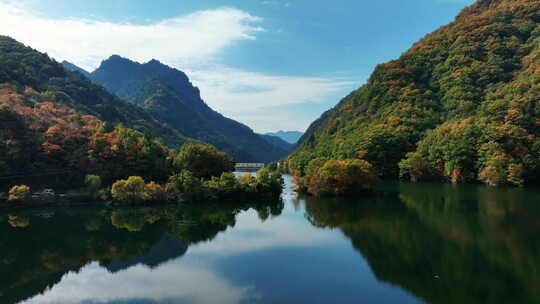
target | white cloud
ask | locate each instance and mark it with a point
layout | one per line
(171, 282)
(248, 96)
(195, 37)
(192, 43)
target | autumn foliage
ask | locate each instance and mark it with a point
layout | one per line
(19, 193)
(461, 105)
(327, 177)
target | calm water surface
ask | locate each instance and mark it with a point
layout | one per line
(410, 243)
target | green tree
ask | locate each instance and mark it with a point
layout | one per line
(203, 161)
(228, 182)
(93, 184)
(186, 187)
(263, 177)
(131, 190)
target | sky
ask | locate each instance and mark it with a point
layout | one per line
(270, 64)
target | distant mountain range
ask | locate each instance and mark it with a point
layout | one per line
(168, 96)
(278, 142)
(291, 137)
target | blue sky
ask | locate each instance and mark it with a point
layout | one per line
(272, 64)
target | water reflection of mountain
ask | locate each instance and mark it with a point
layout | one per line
(37, 251)
(445, 244)
(167, 249)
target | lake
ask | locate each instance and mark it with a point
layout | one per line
(408, 243)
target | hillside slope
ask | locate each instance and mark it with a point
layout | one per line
(24, 67)
(462, 104)
(168, 95)
(56, 124)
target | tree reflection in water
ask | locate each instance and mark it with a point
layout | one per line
(40, 246)
(444, 243)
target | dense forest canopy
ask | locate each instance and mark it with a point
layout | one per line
(41, 136)
(462, 104)
(57, 125)
(24, 67)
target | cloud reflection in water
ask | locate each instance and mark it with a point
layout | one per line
(192, 278)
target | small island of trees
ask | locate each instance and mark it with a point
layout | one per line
(330, 177)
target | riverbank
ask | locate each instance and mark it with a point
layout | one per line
(134, 191)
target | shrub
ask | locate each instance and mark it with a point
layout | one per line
(131, 190)
(226, 185)
(247, 182)
(19, 193)
(185, 187)
(155, 192)
(228, 182)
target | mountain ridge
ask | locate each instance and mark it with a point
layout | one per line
(459, 105)
(169, 96)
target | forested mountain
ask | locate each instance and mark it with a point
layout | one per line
(291, 137)
(57, 122)
(462, 104)
(168, 95)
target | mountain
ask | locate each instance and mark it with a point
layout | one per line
(278, 142)
(24, 67)
(168, 95)
(70, 66)
(56, 124)
(169, 248)
(291, 137)
(461, 105)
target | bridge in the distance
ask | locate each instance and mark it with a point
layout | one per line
(248, 167)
